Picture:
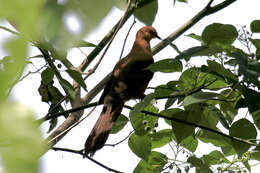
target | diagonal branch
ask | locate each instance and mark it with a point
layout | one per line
(80, 152)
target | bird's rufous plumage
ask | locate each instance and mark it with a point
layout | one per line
(129, 81)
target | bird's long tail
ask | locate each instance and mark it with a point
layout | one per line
(100, 132)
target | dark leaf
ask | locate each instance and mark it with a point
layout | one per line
(47, 75)
(255, 26)
(147, 11)
(243, 129)
(219, 33)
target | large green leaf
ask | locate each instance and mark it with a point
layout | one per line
(166, 66)
(243, 129)
(255, 26)
(147, 11)
(190, 143)
(140, 145)
(22, 138)
(219, 33)
(13, 65)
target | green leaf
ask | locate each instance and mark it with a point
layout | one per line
(13, 65)
(255, 155)
(77, 77)
(255, 26)
(154, 164)
(246, 164)
(208, 50)
(256, 42)
(161, 138)
(119, 124)
(199, 164)
(190, 143)
(219, 33)
(256, 118)
(218, 114)
(68, 87)
(243, 129)
(83, 43)
(24, 140)
(199, 97)
(147, 11)
(55, 94)
(47, 75)
(188, 79)
(215, 157)
(222, 71)
(143, 123)
(170, 113)
(140, 145)
(192, 115)
(169, 102)
(228, 108)
(213, 138)
(166, 66)
(194, 36)
(142, 104)
(228, 150)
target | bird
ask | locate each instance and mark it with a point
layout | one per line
(129, 80)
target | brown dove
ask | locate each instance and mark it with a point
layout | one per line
(129, 81)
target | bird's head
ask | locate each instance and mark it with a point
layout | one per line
(147, 33)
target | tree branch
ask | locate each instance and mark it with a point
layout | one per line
(80, 152)
(197, 125)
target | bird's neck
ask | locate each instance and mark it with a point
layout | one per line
(141, 46)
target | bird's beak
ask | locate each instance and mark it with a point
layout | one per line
(158, 37)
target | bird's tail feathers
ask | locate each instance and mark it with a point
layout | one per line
(100, 132)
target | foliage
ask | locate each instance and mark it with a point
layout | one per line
(205, 97)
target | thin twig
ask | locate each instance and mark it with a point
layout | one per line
(70, 127)
(9, 30)
(80, 152)
(121, 54)
(113, 145)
